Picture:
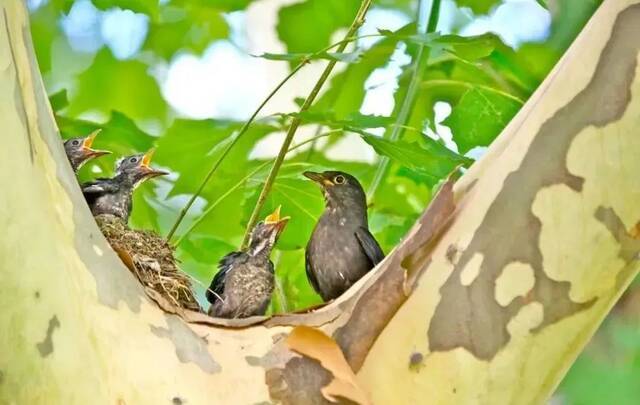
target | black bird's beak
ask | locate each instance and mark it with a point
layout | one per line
(86, 146)
(318, 178)
(148, 170)
(275, 221)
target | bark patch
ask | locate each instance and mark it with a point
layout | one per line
(629, 246)
(299, 382)
(190, 348)
(46, 346)
(469, 316)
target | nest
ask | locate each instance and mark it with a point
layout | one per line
(151, 259)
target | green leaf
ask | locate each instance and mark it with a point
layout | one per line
(352, 122)
(347, 57)
(479, 117)
(149, 7)
(478, 6)
(308, 26)
(469, 48)
(44, 30)
(568, 19)
(192, 27)
(543, 3)
(190, 148)
(58, 100)
(62, 5)
(125, 86)
(221, 5)
(426, 156)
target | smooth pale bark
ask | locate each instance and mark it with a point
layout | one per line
(488, 301)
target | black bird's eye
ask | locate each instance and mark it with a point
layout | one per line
(75, 142)
(339, 179)
(133, 160)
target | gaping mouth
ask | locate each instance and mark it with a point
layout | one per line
(276, 221)
(149, 171)
(88, 142)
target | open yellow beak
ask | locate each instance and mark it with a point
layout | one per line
(275, 219)
(146, 159)
(88, 141)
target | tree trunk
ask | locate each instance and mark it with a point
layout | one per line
(487, 300)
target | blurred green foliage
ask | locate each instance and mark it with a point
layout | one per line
(483, 80)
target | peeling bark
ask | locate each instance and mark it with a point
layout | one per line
(489, 298)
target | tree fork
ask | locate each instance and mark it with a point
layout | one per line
(488, 300)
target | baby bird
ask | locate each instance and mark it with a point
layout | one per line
(341, 249)
(79, 150)
(243, 285)
(114, 196)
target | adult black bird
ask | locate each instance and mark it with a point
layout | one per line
(341, 249)
(114, 196)
(243, 285)
(79, 150)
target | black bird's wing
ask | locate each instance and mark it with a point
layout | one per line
(312, 277)
(216, 288)
(369, 245)
(100, 186)
(94, 189)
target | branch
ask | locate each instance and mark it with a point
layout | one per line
(357, 22)
(419, 67)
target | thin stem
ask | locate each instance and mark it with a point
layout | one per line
(406, 107)
(213, 205)
(295, 123)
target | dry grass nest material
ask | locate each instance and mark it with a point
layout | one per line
(151, 259)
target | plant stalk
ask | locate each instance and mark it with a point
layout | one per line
(408, 103)
(295, 123)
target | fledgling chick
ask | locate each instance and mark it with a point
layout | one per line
(79, 150)
(114, 196)
(243, 285)
(341, 249)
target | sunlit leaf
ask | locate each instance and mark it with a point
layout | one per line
(308, 26)
(466, 47)
(58, 100)
(480, 116)
(125, 86)
(191, 27)
(352, 121)
(346, 57)
(427, 157)
(44, 31)
(149, 7)
(478, 6)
